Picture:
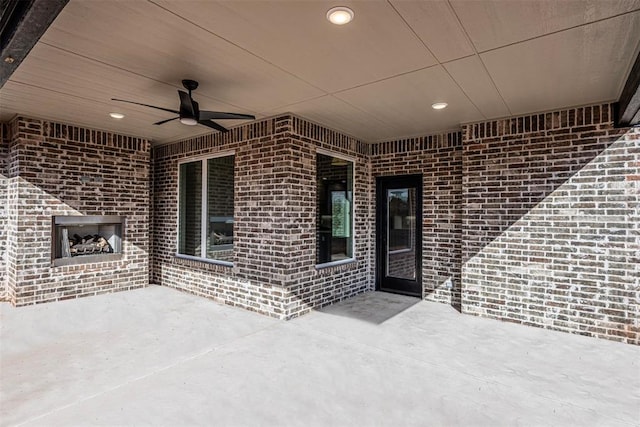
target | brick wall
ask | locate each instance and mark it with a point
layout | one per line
(11, 215)
(439, 159)
(532, 219)
(150, 239)
(254, 282)
(274, 226)
(310, 287)
(58, 169)
(4, 180)
(550, 222)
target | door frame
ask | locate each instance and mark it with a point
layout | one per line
(382, 183)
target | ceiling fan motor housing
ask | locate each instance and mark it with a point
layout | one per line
(187, 114)
(190, 85)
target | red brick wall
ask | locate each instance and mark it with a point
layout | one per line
(58, 169)
(274, 248)
(255, 280)
(310, 287)
(439, 159)
(551, 224)
(4, 180)
(532, 219)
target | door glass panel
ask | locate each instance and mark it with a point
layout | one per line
(401, 231)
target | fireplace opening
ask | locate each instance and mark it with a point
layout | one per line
(84, 239)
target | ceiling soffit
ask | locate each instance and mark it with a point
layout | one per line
(374, 79)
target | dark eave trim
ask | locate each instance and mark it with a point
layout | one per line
(22, 23)
(628, 113)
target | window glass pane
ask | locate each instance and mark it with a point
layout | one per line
(334, 223)
(220, 208)
(190, 216)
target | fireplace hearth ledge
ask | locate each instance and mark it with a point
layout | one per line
(85, 259)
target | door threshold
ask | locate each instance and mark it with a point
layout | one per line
(399, 292)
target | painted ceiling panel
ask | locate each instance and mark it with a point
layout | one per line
(93, 81)
(44, 104)
(573, 67)
(437, 26)
(406, 101)
(476, 83)
(295, 36)
(374, 78)
(495, 23)
(146, 40)
(339, 115)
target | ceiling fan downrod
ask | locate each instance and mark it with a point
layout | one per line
(190, 85)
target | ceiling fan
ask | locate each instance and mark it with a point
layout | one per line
(190, 114)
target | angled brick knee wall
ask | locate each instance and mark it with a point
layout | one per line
(310, 287)
(273, 259)
(550, 222)
(256, 280)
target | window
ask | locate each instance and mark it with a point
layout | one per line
(205, 222)
(334, 207)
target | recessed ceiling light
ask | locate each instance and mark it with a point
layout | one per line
(117, 116)
(340, 15)
(439, 105)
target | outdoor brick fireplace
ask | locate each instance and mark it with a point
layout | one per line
(85, 239)
(76, 220)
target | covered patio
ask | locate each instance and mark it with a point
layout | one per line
(156, 356)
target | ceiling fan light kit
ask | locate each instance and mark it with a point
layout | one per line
(189, 121)
(189, 112)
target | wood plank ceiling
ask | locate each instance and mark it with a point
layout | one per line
(375, 78)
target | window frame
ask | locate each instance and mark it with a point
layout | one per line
(204, 208)
(352, 160)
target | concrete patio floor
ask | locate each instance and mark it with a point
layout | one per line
(156, 356)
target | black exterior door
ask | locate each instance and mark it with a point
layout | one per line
(399, 234)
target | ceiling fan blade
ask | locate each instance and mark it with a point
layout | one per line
(147, 105)
(208, 115)
(186, 104)
(213, 125)
(161, 122)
